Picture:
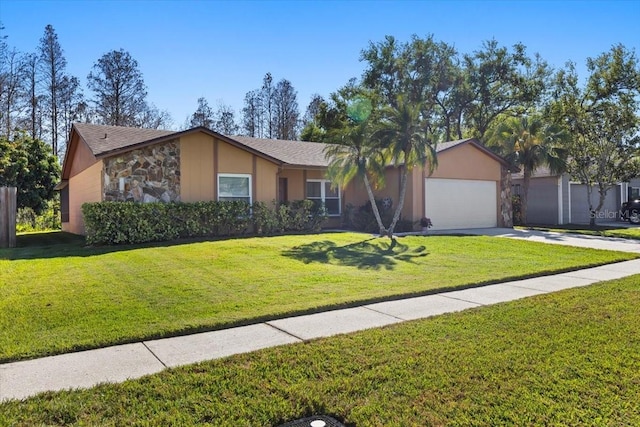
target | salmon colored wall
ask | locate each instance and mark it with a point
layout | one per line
(414, 201)
(233, 159)
(197, 179)
(356, 193)
(84, 187)
(82, 157)
(296, 179)
(295, 183)
(199, 168)
(466, 162)
(266, 181)
(316, 174)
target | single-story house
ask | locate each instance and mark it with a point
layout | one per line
(556, 199)
(470, 188)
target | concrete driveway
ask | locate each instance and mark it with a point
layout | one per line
(569, 239)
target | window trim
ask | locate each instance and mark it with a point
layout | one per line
(323, 195)
(234, 175)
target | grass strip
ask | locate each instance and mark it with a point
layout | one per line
(567, 358)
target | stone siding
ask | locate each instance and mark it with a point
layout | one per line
(505, 219)
(149, 174)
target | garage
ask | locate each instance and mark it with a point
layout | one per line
(461, 203)
(580, 204)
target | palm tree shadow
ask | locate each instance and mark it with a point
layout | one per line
(372, 253)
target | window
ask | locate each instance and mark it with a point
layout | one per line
(320, 191)
(234, 187)
(634, 193)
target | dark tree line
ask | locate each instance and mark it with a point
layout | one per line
(271, 111)
(523, 109)
(460, 94)
(221, 120)
(38, 95)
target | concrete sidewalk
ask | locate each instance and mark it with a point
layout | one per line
(19, 380)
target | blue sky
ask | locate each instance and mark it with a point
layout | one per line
(221, 50)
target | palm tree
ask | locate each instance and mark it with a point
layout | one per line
(529, 143)
(356, 156)
(402, 133)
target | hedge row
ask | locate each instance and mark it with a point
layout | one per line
(114, 223)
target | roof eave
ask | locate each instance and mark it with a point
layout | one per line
(180, 134)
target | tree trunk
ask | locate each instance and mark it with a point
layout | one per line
(602, 193)
(592, 216)
(525, 196)
(374, 206)
(403, 191)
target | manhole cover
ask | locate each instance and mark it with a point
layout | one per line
(315, 421)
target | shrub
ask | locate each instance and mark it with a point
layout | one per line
(124, 222)
(49, 219)
(363, 219)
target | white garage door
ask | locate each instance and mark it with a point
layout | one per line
(461, 203)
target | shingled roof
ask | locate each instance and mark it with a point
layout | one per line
(298, 153)
(102, 139)
(105, 140)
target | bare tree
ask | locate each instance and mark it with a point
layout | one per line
(225, 121)
(252, 114)
(285, 109)
(312, 109)
(34, 101)
(119, 89)
(203, 116)
(52, 69)
(71, 101)
(12, 89)
(153, 118)
(4, 74)
(266, 97)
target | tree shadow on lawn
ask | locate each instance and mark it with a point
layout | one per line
(375, 255)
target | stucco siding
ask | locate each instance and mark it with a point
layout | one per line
(233, 160)
(84, 187)
(266, 181)
(82, 156)
(197, 180)
(295, 183)
(466, 162)
(204, 157)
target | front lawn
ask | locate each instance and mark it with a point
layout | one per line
(57, 298)
(569, 358)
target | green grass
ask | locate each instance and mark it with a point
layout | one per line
(598, 230)
(567, 358)
(57, 298)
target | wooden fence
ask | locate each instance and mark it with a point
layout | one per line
(8, 217)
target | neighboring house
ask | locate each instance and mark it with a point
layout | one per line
(555, 199)
(470, 188)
